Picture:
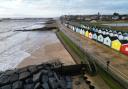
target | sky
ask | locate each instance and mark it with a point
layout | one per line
(54, 8)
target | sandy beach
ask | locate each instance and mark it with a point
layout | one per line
(50, 49)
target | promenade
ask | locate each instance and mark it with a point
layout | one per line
(101, 54)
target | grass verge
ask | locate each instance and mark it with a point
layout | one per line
(74, 48)
(113, 84)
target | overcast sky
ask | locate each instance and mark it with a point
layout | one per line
(53, 8)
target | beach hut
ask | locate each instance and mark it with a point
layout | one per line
(99, 31)
(110, 31)
(111, 34)
(77, 29)
(103, 32)
(120, 37)
(116, 44)
(95, 36)
(74, 28)
(125, 35)
(119, 33)
(83, 32)
(107, 33)
(66, 25)
(115, 33)
(86, 33)
(107, 40)
(124, 47)
(100, 38)
(96, 30)
(90, 35)
(93, 29)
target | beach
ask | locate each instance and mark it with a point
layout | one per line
(50, 50)
(22, 48)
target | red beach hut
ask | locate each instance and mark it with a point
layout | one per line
(124, 47)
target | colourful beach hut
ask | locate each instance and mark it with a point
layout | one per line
(100, 38)
(107, 41)
(125, 36)
(103, 32)
(83, 32)
(116, 44)
(124, 47)
(90, 35)
(111, 34)
(74, 28)
(120, 37)
(99, 31)
(86, 33)
(94, 37)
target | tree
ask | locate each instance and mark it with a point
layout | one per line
(116, 14)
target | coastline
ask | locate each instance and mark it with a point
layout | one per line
(51, 49)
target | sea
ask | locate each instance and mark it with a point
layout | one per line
(15, 46)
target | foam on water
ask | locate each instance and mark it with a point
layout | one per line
(16, 46)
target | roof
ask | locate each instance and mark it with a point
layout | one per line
(113, 38)
(105, 36)
(123, 41)
(90, 31)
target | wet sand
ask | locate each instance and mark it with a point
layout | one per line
(50, 50)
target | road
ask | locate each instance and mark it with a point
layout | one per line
(101, 54)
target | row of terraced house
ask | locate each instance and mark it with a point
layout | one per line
(115, 39)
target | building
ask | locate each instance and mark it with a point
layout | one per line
(100, 38)
(103, 32)
(83, 31)
(106, 33)
(107, 41)
(124, 47)
(99, 31)
(74, 28)
(95, 36)
(115, 33)
(90, 35)
(111, 34)
(116, 44)
(86, 33)
(120, 37)
(125, 36)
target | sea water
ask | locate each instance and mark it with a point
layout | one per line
(16, 46)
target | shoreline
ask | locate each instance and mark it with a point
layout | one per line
(49, 52)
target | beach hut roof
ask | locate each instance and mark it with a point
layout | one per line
(123, 41)
(97, 33)
(119, 32)
(104, 36)
(125, 34)
(113, 38)
(114, 31)
(91, 31)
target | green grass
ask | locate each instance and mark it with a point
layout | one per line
(113, 84)
(72, 46)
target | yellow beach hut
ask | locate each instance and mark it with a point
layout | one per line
(116, 44)
(86, 33)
